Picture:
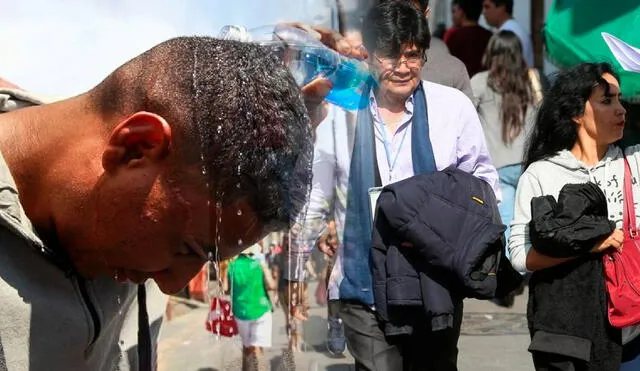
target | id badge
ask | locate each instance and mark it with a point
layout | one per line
(374, 193)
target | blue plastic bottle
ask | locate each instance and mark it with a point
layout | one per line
(308, 59)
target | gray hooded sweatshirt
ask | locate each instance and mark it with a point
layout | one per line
(547, 177)
(52, 320)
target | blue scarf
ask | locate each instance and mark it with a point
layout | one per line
(357, 283)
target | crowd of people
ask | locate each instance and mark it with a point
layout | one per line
(494, 138)
(195, 150)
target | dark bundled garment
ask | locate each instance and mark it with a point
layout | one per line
(437, 239)
(567, 309)
(571, 226)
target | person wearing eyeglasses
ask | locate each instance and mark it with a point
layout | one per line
(409, 127)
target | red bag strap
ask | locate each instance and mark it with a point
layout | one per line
(629, 213)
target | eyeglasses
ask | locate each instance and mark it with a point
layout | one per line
(412, 59)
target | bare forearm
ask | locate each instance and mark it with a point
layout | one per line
(268, 278)
(537, 261)
(225, 285)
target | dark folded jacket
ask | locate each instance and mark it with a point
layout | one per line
(571, 226)
(567, 309)
(451, 221)
(567, 316)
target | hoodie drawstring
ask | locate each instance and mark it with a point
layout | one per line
(605, 178)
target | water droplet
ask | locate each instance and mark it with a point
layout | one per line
(239, 212)
(119, 301)
(219, 129)
(240, 242)
(218, 205)
(238, 185)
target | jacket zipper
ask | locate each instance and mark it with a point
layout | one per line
(95, 320)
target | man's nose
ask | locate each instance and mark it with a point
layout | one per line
(402, 66)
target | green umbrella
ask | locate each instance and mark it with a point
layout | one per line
(573, 35)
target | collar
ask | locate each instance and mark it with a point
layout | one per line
(507, 22)
(373, 106)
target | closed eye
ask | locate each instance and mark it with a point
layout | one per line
(195, 248)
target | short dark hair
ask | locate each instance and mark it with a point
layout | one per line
(472, 8)
(392, 25)
(555, 129)
(508, 5)
(421, 4)
(235, 110)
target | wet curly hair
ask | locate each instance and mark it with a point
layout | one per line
(236, 111)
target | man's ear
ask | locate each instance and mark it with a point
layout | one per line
(142, 138)
(427, 13)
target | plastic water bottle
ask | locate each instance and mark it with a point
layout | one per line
(308, 59)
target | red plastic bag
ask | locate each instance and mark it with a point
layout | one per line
(622, 268)
(220, 319)
(198, 284)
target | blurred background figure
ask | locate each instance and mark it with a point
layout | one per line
(506, 97)
(294, 298)
(336, 343)
(248, 282)
(499, 14)
(467, 40)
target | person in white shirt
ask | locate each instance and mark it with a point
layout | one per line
(499, 14)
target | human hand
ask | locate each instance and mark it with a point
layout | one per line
(314, 94)
(333, 40)
(293, 295)
(298, 313)
(615, 240)
(327, 246)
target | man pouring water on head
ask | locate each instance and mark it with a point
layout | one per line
(192, 150)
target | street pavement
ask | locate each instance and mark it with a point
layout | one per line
(493, 339)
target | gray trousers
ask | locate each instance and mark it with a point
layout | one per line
(423, 351)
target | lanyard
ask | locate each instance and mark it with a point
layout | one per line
(385, 142)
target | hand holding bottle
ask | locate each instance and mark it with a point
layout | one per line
(333, 40)
(315, 92)
(324, 64)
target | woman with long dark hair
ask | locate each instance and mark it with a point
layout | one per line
(574, 141)
(505, 97)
